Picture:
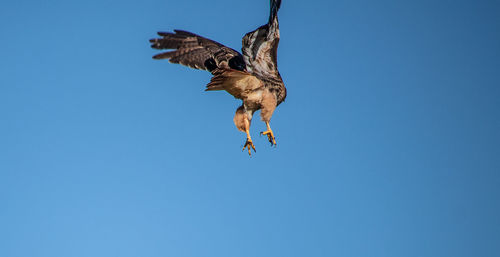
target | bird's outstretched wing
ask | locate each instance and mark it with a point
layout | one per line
(260, 46)
(196, 51)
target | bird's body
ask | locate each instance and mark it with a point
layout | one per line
(252, 76)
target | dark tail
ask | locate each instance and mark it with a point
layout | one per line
(275, 6)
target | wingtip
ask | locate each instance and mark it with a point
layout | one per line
(275, 6)
(277, 3)
(164, 34)
(164, 55)
(180, 31)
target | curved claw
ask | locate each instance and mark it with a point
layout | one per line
(250, 146)
(270, 137)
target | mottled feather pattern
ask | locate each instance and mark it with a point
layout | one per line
(260, 46)
(194, 51)
(251, 76)
(237, 83)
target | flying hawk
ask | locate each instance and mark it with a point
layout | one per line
(252, 77)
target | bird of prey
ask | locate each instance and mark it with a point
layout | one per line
(252, 76)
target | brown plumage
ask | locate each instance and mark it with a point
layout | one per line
(252, 77)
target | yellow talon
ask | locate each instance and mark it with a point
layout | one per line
(270, 136)
(250, 146)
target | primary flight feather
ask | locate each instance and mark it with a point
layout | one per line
(252, 76)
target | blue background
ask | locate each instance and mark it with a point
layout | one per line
(388, 142)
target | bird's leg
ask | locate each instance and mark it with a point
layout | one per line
(242, 120)
(269, 133)
(268, 105)
(248, 143)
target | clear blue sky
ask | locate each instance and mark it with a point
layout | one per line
(388, 142)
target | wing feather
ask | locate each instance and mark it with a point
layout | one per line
(240, 84)
(261, 45)
(196, 51)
